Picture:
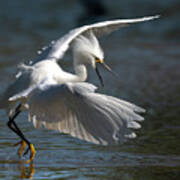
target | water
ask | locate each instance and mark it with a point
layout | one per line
(146, 57)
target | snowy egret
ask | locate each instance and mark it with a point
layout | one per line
(59, 100)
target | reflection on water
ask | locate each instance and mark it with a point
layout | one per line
(145, 56)
(18, 169)
(26, 172)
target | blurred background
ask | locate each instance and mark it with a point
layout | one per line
(146, 56)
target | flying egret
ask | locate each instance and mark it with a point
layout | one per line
(59, 100)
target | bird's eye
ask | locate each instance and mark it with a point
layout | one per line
(98, 60)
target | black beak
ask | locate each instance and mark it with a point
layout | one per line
(108, 69)
(99, 76)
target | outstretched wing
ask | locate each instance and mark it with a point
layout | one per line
(77, 110)
(57, 49)
(21, 85)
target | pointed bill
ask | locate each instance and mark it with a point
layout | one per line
(109, 69)
(99, 76)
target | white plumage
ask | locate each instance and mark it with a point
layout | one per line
(60, 100)
(74, 108)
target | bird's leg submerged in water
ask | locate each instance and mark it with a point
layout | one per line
(13, 126)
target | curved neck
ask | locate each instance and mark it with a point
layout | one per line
(80, 72)
(79, 76)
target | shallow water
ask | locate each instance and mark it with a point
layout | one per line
(146, 57)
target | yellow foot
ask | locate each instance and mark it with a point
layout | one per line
(32, 155)
(22, 147)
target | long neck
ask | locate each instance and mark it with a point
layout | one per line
(79, 76)
(80, 72)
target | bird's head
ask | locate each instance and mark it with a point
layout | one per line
(87, 51)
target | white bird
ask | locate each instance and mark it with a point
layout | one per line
(59, 100)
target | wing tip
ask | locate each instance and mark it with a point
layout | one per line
(145, 18)
(140, 110)
(153, 17)
(131, 135)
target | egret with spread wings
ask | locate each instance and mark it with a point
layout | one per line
(62, 101)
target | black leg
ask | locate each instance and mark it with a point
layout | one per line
(11, 119)
(13, 126)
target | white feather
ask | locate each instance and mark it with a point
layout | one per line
(57, 50)
(59, 100)
(75, 109)
(45, 64)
